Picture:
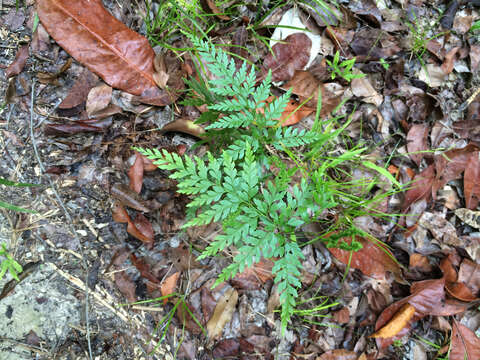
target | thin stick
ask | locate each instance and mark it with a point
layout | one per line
(67, 215)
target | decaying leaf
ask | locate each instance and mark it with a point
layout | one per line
(140, 228)
(169, 285)
(253, 277)
(373, 259)
(210, 5)
(78, 126)
(417, 142)
(98, 99)
(292, 113)
(185, 126)
(289, 55)
(428, 298)
(120, 56)
(401, 318)
(338, 354)
(471, 181)
(78, 93)
(306, 86)
(465, 344)
(128, 197)
(18, 63)
(223, 314)
(161, 75)
(135, 173)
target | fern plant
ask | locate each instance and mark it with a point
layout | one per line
(260, 210)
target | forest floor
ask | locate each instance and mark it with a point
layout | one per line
(61, 126)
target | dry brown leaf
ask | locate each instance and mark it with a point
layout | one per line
(77, 95)
(289, 55)
(185, 126)
(218, 13)
(362, 88)
(401, 318)
(95, 38)
(222, 315)
(471, 181)
(135, 173)
(417, 141)
(98, 99)
(161, 75)
(128, 197)
(169, 285)
(18, 63)
(373, 259)
(465, 344)
(338, 354)
(306, 86)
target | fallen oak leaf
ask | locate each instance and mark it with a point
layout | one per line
(400, 320)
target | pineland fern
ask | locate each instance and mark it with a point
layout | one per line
(260, 211)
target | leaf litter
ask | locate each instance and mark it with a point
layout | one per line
(402, 104)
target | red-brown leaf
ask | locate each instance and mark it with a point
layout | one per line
(338, 354)
(465, 344)
(135, 173)
(451, 164)
(428, 298)
(79, 91)
(18, 63)
(417, 141)
(95, 38)
(289, 55)
(471, 181)
(78, 126)
(421, 187)
(373, 259)
(142, 229)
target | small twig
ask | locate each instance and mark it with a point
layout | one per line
(67, 215)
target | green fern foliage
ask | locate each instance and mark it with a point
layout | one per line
(260, 211)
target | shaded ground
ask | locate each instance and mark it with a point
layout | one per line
(80, 264)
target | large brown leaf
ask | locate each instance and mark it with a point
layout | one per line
(289, 55)
(373, 259)
(465, 344)
(89, 33)
(428, 298)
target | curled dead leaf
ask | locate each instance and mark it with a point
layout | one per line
(401, 318)
(185, 126)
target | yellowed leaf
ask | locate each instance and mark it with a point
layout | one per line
(223, 314)
(396, 323)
